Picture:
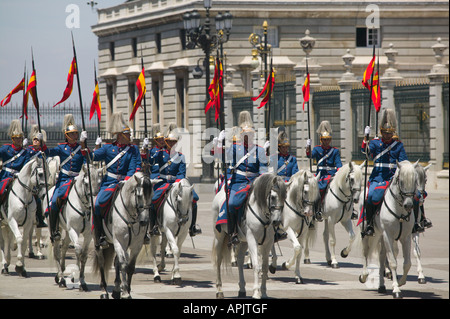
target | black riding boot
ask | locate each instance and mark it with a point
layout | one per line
(154, 231)
(318, 210)
(418, 228)
(425, 222)
(54, 224)
(39, 214)
(194, 229)
(232, 229)
(99, 234)
(370, 215)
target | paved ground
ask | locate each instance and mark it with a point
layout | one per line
(321, 282)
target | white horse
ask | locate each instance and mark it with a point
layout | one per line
(343, 192)
(53, 167)
(393, 223)
(125, 227)
(21, 211)
(302, 193)
(75, 220)
(175, 213)
(262, 214)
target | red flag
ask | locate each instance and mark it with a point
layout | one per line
(215, 89)
(69, 87)
(368, 73)
(19, 87)
(376, 97)
(140, 83)
(267, 90)
(31, 89)
(305, 90)
(95, 105)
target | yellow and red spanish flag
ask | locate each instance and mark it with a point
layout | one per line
(368, 73)
(140, 83)
(267, 90)
(305, 90)
(96, 105)
(215, 89)
(69, 87)
(19, 87)
(376, 97)
(31, 89)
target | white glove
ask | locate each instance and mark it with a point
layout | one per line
(221, 135)
(308, 142)
(266, 145)
(131, 134)
(215, 140)
(145, 143)
(367, 130)
(25, 142)
(83, 136)
(98, 141)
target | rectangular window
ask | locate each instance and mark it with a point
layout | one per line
(158, 42)
(134, 47)
(155, 89)
(183, 39)
(180, 102)
(365, 38)
(112, 51)
(110, 95)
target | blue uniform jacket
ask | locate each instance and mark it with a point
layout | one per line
(330, 164)
(65, 150)
(286, 166)
(380, 172)
(253, 166)
(7, 152)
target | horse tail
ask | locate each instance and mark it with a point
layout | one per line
(221, 252)
(108, 259)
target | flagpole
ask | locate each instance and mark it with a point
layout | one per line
(95, 84)
(367, 145)
(23, 98)
(307, 107)
(268, 102)
(145, 103)
(39, 127)
(379, 85)
(82, 121)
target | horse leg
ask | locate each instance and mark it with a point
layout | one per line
(332, 231)
(162, 264)
(253, 250)
(153, 245)
(38, 243)
(84, 254)
(176, 278)
(30, 243)
(416, 250)
(365, 253)
(406, 248)
(241, 249)
(6, 258)
(392, 259)
(326, 241)
(382, 261)
(349, 228)
(273, 264)
(59, 277)
(307, 242)
(121, 263)
(101, 262)
(293, 238)
(265, 249)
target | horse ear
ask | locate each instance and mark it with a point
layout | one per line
(362, 165)
(427, 167)
(350, 165)
(398, 164)
(416, 163)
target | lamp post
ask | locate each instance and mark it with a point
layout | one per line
(199, 35)
(261, 47)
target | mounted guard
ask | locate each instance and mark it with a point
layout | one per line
(122, 160)
(386, 152)
(286, 163)
(328, 160)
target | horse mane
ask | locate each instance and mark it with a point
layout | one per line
(341, 174)
(407, 173)
(262, 186)
(297, 181)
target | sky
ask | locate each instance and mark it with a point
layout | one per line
(41, 25)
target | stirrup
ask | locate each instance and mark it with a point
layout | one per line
(234, 240)
(318, 216)
(56, 235)
(155, 231)
(369, 231)
(418, 228)
(102, 242)
(426, 223)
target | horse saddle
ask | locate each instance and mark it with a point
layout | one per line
(158, 204)
(62, 201)
(5, 194)
(105, 210)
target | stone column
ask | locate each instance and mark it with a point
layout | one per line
(389, 79)
(437, 75)
(346, 83)
(257, 86)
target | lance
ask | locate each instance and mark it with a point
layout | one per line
(307, 107)
(82, 121)
(268, 102)
(379, 85)
(145, 103)
(39, 127)
(366, 152)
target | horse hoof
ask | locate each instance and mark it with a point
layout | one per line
(242, 294)
(382, 289)
(57, 279)
(388, 275)
(284, 267)
(421, 281)
(116, 294)
(62, 283)
(249, 266)
(157, 279)
(169, 255)
(343, 254)
(397, 295)
(362, 279)
(329, 262)
(104, 296)
(307, 261)
(176, 281)
(335, 266)
(299, 281)
(83, 287)
(219, 295)
(5, 271)
(272, 269)
(31, 255)
(19, 270)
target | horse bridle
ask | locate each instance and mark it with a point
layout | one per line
(181, 218)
